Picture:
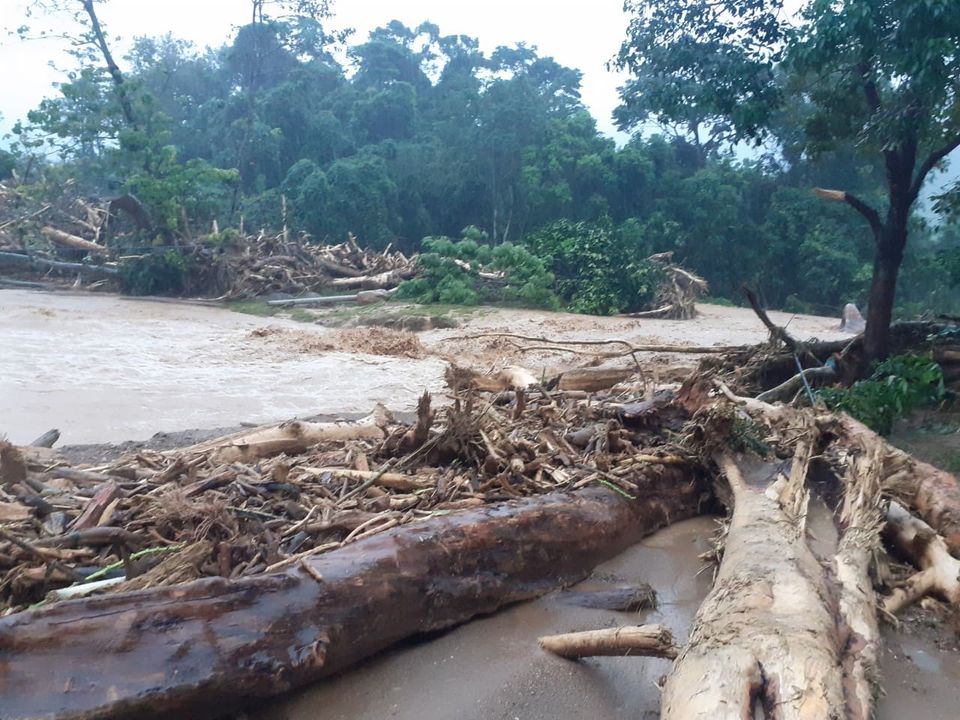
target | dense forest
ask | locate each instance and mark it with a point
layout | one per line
(411, 134)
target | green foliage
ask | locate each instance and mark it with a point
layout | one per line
(452, 274)
(173, 190)
(598, 271)
(157, 273)
(421, 134)
(898, 386)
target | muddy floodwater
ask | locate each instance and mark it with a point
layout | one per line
(103, 368)
(107, 369)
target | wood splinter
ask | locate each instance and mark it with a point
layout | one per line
(638, 640)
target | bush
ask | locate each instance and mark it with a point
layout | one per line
(598, 271)
(451, 274)
(161, 273)
(897, 387)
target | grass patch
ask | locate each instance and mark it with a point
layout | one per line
(253, 307)
(260, 308)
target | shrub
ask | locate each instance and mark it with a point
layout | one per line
(898, 386)
(598, 271)
(159, 273)
(451, 274)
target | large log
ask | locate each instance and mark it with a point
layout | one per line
(382, 281)
(771, 633)
(67, 240)
(42, 265)
(215, 644)
(934, 493)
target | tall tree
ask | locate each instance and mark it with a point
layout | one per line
(883, 77)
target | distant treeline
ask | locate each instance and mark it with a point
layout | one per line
(418, 134)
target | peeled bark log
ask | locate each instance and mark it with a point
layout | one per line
(383, 281)
(215, 644)
(933, 492)
(289, 437)
(66, 239)
(939, 571)
(768, 633)
(635, 640)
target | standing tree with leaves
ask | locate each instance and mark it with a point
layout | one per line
(881, 76)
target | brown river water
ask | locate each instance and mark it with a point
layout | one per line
(107, 369)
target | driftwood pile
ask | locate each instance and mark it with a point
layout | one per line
(245, 566)
(270, 265)
(262, 500)
(677, 293)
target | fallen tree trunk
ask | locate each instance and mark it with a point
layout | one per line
(216, 644)
(934, 493)
(42, 264)
(290, 437)
(939, 571)
(382, 281)
(769, 635)
(67, 240)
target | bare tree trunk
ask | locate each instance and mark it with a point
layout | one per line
(883, 289)
(771, 634)
(118, 79)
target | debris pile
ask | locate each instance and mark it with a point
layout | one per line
(277, 265)
(261, 500)
(678, 292)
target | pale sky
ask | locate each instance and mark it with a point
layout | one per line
(584, 34)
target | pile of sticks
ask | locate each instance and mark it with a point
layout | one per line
(677, 293)
(263, 499)
(262, 265)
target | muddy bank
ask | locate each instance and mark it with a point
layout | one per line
(493, 669)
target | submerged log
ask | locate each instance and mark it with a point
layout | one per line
(215, 644)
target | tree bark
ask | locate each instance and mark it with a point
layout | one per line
(883, 291)
(216, 644)
(771, 633)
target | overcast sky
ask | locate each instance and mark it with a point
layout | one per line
(584, 34)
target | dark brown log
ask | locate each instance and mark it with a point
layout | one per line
(215, 644)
